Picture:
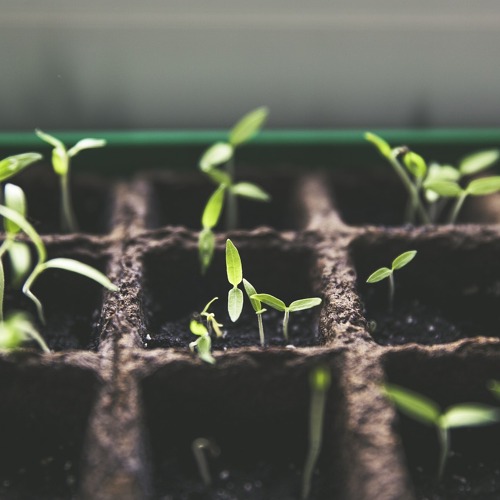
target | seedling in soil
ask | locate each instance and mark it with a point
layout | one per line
(224, 153)
(384, 272)
(319, 380)
(212, 324)
(279, 305)
(257, 307)
(16, 330)
(234, 276)
(43, 264)
(427, 412)
(204, 344)
(61, 163)
(201, 447)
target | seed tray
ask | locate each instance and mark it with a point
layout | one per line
(113, 412)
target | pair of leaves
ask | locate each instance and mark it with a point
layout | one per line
(279, 305)
(477, 187)
(234, 276)
(399, 262)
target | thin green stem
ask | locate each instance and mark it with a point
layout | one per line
(232, 202)
(285, 323)
(391, 291)
(68, 219)
(4, 248)
(458, 206)
(444, 446)
(199, 446)
(261, 329)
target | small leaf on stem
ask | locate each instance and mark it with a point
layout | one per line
(478, 162)
(270, 301)
(233, 264)
(379, 275)
(249, 190)
(403, 259)
(248, 126)
(303, 304)
(234, 303)
(218, 153)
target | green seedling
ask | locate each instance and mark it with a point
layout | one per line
(235, 277)
(384, 272)
(204, 344)
(319, 380)
(257, 307)
(224, 153)
(61, 163)
(200, 447)
(279, 305)
(427, 412)
(212, 324)
(17, 329)
(43, 264)
(12, 165)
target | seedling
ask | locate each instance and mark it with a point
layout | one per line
(319, 380)
(257, 307)
(384, 272)
(204, 344)
(223, 153)
(279, 305)
(43, 264)
(61, 163)
(16, 330)
(234, 276)
(427, 412)
(212, 324)
(200, 447)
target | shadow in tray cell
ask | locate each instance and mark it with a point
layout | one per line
(472, 469)
(175, 290)
(450, 291)
(257, 417)
(43, 418)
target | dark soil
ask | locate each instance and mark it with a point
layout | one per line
(302, 331)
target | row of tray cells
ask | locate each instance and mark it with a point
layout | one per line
(257, 414)
(450, 291)
(362, 197)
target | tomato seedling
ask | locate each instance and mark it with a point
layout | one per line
(204, 344)
(235, 277)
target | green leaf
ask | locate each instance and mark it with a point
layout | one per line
(470, 415)
(234, 303)
(12, 165)
(86, 144)
(50, 139)
(302, 304)
(218, 153)
(204, 346)
(219, 177)
(270, 301)
(379, 275)
(249, 190)
(80, 268)
(320, 379)
(233, 264)
(20, 260)
(248, 126)
(197, 328)
(415, 164)
(486, 185)
(380, 144)
(477, 162)
(16, 200)
(448, 189)
(213, 208)
(442, 173)
(250, 290)
(206, 247)
(60, 161)
(403, 259)
(412, 404)
(205, 309)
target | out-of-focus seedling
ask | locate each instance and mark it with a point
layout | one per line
(279, 305)
(319, 380)
(43, 264)
(384, 272)
(212, 324)
(427, 412)
(61, 163)
(12, 165)
(257, 307)
(201, 446)
(234, 276)
(204, 344)
(17, 329)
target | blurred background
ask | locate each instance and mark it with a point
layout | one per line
(185, 64)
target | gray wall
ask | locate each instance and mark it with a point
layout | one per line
(186, 64)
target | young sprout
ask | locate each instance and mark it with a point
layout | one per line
(61, 163)
(319, 380)
(204, 344)
(279, 305)
(223, 153)
(257, 307)
(16, 330)
(234, 276)
(384, 272)
(427, 412)
(212, 324)
(199, 447)
(43, 264)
